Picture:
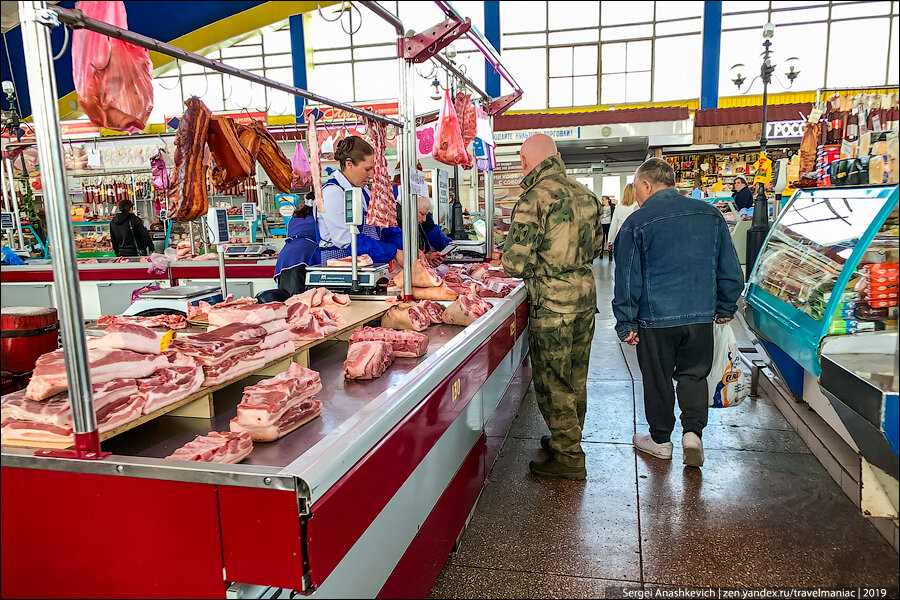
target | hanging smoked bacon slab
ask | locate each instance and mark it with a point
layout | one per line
(187, 191)
(249, 139)
(233, 162)
(272, 160)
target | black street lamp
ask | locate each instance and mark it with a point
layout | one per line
(759, 228)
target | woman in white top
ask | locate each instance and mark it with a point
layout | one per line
(625, 208)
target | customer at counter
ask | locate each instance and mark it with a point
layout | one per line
(554, 236)
(357, 162)
(127, 233)
(743, 197)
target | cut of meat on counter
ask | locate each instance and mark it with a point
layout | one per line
(406, 316)
(216, 447)
(203, 308)
(406, 343)
(275, 407)
(170, 321)
(49, 376)
(253, 314)
(319, 297)
(442, 292)
(116, 402)
(226, 352)
(125, 336)
(363, 260)
(423, 274)
(466, 309)
(435, 311)
(312, 323)
(368, 360)
(170, 385)
(489, 282)
(235, 366)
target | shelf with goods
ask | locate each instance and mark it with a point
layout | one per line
(721, 167)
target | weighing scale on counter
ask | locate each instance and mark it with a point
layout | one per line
(250, 250)
(173, 300)
(352, 278)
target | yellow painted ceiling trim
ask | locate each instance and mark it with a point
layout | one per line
(244, 22)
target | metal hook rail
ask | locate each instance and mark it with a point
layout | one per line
(75, 19)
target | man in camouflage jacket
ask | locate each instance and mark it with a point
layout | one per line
(554, 237)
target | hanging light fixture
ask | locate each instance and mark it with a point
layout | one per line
(437, 89)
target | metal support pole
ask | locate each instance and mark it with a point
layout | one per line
(14, 198)
(354, 262)
(191, 235)
(406, 150)
(759, 228)
(220, 250)
(36, 20)
(489, 209)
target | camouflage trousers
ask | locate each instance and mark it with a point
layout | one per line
(560, 346)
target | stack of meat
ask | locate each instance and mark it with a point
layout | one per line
(314, 314)
(403, 343)
(202, 309)
(466, 309)
(225, 352)
(368, 359)
(216, 447)
(490, 282)
(42, 412)
(272, 317)
(275, 407)
(426, 283)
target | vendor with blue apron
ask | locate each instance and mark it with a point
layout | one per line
(301, 248)
(357, 163)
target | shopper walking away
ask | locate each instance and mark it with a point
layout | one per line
(743, 197)
(676, 272)
(554, 236)
(127, 232)
(606, 213)
(625, 208)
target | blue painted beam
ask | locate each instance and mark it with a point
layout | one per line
(492, 33)
(298, 62)
(712, 44)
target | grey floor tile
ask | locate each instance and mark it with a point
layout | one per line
(740, 437)
(608, 362)
(755, 519)
(581, 528)
(470, 582)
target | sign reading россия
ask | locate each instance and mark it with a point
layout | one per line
(776, 130)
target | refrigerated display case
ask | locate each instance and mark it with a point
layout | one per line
(823, 299)
(738, 225)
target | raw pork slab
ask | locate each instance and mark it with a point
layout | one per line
(126, 336)
(216, 447)
(363, 260)
(215, 347)
(170, 321)
(275, 339)
(435, 311)
(406, 316)
(50, 369)
(368, 360)
(280, 351)
(267, 401)
(252, 314)
(294, 417)
(466, 310)
(170, 385)
(234, 367)
(405, 343)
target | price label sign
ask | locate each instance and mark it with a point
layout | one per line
(417, 184)
(7, 220)
(163, 214)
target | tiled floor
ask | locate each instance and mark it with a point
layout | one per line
(762, 511)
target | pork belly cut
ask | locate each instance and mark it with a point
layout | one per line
(406, 343)
(275, 339)
(234, 367)
(267, 401)
(126, 336)
(215, 347)
(294, 417)
(368, 360)
(275, 326)
(280, 351)
(49, 376)
(170, 321)
(252, 314)
(170, 385)
(216, 447)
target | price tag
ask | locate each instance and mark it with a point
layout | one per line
(7, 220)
(495, 286)
(417, 184)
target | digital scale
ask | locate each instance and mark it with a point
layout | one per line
(252, 250)
(335, 278)
(173, 300)
(468, 249)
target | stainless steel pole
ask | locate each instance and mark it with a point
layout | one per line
(14, 198)
(489, 209)
(220, 250)
(406, 152)
(191, 235)
(36, 21)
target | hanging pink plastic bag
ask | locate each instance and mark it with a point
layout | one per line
(113, 78)
(158, 172)
(301, 169)
(449, 147)
(143, 290)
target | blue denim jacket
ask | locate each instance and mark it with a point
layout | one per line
(675, 265)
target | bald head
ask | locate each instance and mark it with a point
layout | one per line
(535, 150)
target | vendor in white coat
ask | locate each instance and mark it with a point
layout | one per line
(357, 163)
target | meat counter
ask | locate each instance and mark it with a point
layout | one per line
(365, 501)
(106, 287)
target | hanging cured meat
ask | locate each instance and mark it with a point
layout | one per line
(249, 138)
(382, 208)
(187, 191)
(233, 162)
(316, 168)
(272, 160)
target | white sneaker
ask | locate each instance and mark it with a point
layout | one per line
(645, 443)
(693, 449)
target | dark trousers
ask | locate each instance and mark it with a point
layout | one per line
(606, 240)
(684, 353)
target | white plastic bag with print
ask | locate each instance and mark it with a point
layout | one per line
(726, 381)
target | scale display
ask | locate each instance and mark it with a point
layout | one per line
(7, 220)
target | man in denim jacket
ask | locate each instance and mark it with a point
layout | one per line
(676, 272)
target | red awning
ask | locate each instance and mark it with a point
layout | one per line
(740, 115)
(598, 117)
